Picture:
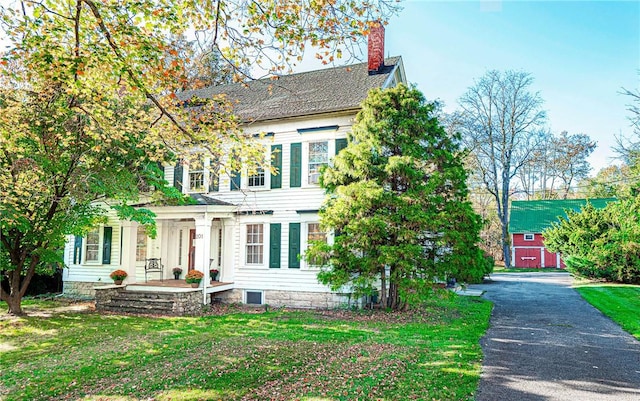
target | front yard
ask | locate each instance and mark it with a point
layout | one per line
(233, 354)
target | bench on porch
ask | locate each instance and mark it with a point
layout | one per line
(153, 265)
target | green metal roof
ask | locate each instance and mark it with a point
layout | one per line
(535, 216)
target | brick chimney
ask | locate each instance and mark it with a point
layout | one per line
(376, 47)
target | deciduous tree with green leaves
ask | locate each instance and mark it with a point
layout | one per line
(398, 203)
(90, 106)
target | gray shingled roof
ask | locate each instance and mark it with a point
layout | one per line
(306, 93)
(207, 200)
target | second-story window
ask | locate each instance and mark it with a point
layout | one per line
(318, 157)
(196, 181)
(257, 180)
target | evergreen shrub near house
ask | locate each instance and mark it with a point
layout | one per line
(600, 243)
(398, 204)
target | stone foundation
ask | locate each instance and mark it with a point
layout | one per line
(80, 289)
(115, 298)
(292, 299)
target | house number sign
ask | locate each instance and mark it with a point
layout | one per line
(199, 236)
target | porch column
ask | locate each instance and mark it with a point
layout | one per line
(542, 261)
(163, 243)
(128, 251)
(203, 246)
(228, 250)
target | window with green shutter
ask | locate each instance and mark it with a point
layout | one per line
(295, 177)
(235, 180)
(275, 230)
(106, 246)
(77, 250)
(177, 176)
(294, 245)
(341, 143)
(276, 161)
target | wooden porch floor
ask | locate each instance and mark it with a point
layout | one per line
(171, 283)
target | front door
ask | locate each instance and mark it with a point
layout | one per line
(192, 248)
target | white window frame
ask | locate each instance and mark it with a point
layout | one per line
(258, 291)
(246, 244)
(201, 189)
(260, 175)
(85, 244)
(307, 241)
(313, 178)
(529, 237)
(141, 231)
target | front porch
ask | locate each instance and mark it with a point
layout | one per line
(172, 285)
(163, 297)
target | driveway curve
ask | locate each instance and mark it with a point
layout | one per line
(546, 343)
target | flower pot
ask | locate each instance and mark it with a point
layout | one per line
(195, 285)
(214, 276)
(176, 276)
(117, 282)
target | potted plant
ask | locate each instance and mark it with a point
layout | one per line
(177, 271)
(194, 277)
(214, 274)
(117, 276)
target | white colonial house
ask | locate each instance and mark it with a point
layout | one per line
(252, 229)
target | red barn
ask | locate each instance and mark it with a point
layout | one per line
(527, 221)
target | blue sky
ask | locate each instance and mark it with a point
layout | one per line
(580, 54)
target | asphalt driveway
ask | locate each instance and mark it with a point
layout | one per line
(546, 343)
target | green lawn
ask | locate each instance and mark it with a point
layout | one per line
(620, 302)
(238, 355)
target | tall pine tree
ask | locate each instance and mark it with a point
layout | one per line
(397, 203)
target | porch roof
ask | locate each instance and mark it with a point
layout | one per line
(193, 211)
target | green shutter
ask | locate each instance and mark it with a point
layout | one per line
(341, 143)
(274, 245)
(77, 250)
(295, 177)
(106, 246)
(276, 161)
(235, 180)
(177, 175)
(214, 182)
(294, 245)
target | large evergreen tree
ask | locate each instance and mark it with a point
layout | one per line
(397, 203)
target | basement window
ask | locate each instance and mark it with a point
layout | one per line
(528, 237)
(253, 297)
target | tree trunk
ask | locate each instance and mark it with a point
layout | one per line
(18, 285)
(394, 296)
(504, 219)
(14, 301)
(383, 290)
(506, 245)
